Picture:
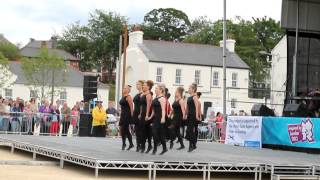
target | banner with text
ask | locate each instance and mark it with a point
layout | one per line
(244, 131)
(291, 131)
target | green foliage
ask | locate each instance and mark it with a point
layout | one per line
(261, 34)
(45, 72)
(165, 24)
(9, 50)
(97, 43)
(5, 74)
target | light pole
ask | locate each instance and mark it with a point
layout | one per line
(224, 58)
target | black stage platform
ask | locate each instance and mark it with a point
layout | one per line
(105, 153)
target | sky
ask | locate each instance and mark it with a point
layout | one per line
(21, 20)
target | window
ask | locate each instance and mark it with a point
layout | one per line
(159, 75)
(215, 78)
(8, 93)
(234, 80)
(178, 76)
(197, 77)
(63, 96)
(33, 94)
(233, 103)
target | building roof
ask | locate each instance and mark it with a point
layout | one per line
(32, 49)
(34, 52)
(4, 40)
(74, 78)
(188, 53)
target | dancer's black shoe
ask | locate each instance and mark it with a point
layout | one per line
(138, 149)
(123, 147)
(171, 144)
(149, 149)
(181, 147)
(143, 148)
(154, 152)
(163, 151)
(131, 146)
(191, 148)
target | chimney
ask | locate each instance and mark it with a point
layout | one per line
(230, 45)
(135, 37)
(54, 42)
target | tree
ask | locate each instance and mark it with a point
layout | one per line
(97, 43)
(260, 34)
(9, 50)
(105, 30)
(6, 77)
(45, 73)
(75, 39)
(166, 24)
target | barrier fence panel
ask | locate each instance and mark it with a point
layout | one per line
(211, 131)
(39, 124)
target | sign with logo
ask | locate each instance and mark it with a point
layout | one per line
(297, 132)
(244, 131)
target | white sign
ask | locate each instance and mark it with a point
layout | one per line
(244, 131)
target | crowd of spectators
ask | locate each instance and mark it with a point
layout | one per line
(23, 116)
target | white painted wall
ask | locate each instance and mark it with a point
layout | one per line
(279, 76)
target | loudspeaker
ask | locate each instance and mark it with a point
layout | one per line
(85, 124)
(261, 110)
(90, 87)
(295, 110)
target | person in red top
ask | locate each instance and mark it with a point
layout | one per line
(219, 120)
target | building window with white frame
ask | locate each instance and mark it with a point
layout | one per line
(197, 77)
(159, 75)
(63, 96)
(215, 79)
(33, 94)
(8, 93)
(178, 76)
(233, 103)
(234, 80)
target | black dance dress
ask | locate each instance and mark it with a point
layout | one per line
(177, 122)
(136, 112)
(191, 123)
(125, 119)
(145, 126)
(158, 129)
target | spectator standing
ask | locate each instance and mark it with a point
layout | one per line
(15, 122)
(55, 118)
(5, 116)
(45, 109)
(65, 112)
(111, 109)
(74, 118)
(28, 116)
(99, 121)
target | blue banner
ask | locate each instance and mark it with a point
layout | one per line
(291, 131)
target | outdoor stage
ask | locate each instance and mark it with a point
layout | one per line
(105, 153)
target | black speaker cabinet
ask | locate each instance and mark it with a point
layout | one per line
(261, 110)
(295, 110)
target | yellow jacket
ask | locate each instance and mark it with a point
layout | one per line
(99, 116)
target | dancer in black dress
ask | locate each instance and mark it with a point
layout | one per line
(145, 111)
(200, 117)
(177, 117)
(136, 112)
(126, 104)
(192, 116)
(158, 115)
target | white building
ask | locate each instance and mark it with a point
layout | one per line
(279, 76)
(180, 64)
(70, 92)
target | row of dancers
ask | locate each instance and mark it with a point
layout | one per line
(154, 121)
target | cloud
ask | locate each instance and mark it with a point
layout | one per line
(39, 19)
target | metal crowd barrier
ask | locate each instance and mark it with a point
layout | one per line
(39, 124)
(211, 131)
